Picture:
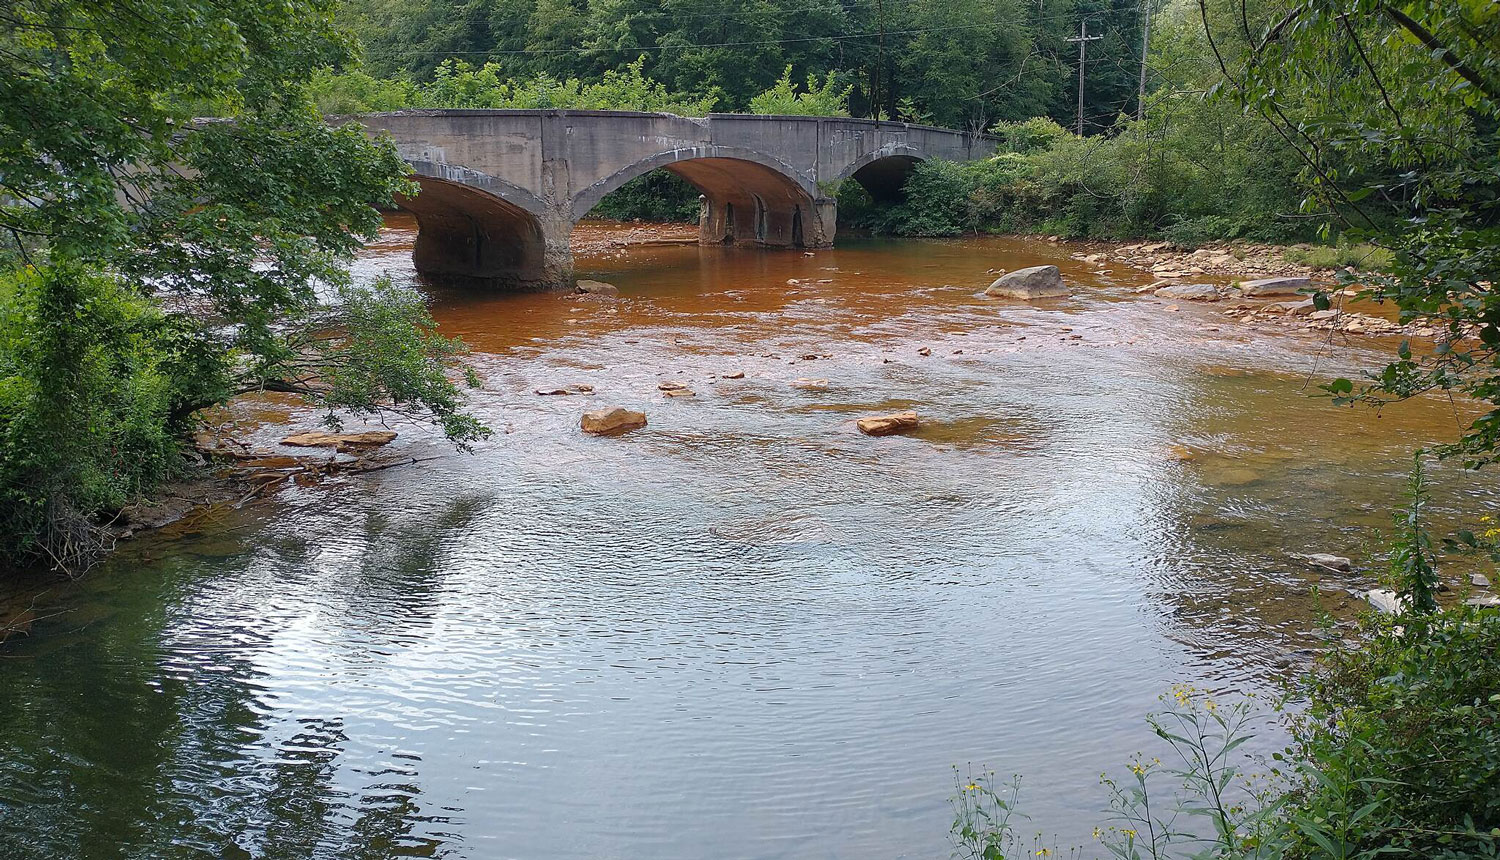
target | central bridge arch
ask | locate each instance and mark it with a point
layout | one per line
(500, 190)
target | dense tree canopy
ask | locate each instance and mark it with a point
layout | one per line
(957, 63)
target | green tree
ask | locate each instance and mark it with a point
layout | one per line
(1391, 110)
(159, 263)
(825, 98)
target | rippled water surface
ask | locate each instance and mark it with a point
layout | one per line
(745, 631)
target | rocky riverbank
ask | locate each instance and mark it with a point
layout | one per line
(1262, 284)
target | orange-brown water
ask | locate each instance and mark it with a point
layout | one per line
(745, 630)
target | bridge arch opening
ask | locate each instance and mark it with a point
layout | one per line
(885, 178)
(744, 200)
(468, 234)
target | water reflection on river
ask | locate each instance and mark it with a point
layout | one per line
(746, 631)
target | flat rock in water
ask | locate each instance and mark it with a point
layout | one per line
(1274, 286)
(1033, 282)
(597, 288)
(612, 420)
(810, 384)
(1190, 292)
(734, 374)
(888, 425)
(1386, 601)
(1332, 562)
(318, 439)
(1479, 580)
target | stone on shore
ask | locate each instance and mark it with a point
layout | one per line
(1299, 309)
(340, 441)
(1033, 282)
(1274, 286)
(888, 425)
(613, 420)
(597, 288)
(1190, 292)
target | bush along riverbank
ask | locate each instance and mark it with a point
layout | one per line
(1395, 748)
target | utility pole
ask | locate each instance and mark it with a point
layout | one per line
(1083, 38)
(879, 55)
(1140, 99)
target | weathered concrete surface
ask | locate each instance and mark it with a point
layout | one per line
(501, 189)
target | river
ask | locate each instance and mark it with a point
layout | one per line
(745, 631)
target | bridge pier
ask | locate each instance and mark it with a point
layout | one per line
(751, 221)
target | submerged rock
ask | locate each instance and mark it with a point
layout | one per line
(1331, 562)
(1033, 282)
(612, 420)
(810, 384)
(597, 288)
(1274, 286)
(888, 425)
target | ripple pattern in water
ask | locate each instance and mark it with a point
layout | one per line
(746, 631)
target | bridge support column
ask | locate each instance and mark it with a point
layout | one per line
(753, 221)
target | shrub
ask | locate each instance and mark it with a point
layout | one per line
(86, 406)
(826, 98)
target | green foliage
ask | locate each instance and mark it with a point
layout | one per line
(966, 63)
(377, 352)
(358, 92)
(1412, 569)
(87, 389)
(1402, 742)
(1394, 110)
(827, 98)
(458, 84)
(1361, 256)
(159, 263)
(660, 195)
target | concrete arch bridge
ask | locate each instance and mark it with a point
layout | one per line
(502, 189)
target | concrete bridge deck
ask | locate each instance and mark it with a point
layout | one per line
(502, 189)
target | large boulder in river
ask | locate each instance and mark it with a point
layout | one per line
(888, 425)
(1034, 282)
(612, 420)
(1274, 287)
(1189, 292)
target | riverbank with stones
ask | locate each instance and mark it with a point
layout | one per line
(1220, 273)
